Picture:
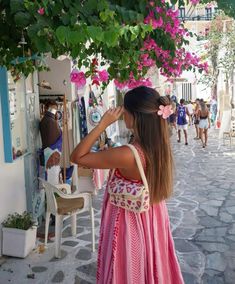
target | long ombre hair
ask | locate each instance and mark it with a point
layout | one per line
(152, 133)
(203, 106)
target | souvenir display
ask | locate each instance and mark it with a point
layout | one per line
(94, 115)
(95, 111)
(55, 144)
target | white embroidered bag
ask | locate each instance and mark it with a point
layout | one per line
(129, 195)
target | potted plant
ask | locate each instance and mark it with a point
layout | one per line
(19, 234)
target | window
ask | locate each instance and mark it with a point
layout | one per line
(208, 14)
(187, 91)
(181, 12)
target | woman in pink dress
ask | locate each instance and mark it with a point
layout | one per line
(136, 248)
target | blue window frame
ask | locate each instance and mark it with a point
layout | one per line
(13, 102)
(6, 123)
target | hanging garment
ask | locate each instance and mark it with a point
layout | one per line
(82, 116)
(49, 129)
(76, 124)
(92, 99)
(52, 156)
(69, 174)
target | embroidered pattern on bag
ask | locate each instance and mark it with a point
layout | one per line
(124, 193)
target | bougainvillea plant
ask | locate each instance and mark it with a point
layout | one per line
(117, 40)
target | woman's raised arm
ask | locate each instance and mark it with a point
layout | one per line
(120, 157)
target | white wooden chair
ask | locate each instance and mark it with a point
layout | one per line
(63, 205)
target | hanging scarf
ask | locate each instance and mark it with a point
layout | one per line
(82, 115)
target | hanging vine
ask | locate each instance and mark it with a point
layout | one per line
(127, 36)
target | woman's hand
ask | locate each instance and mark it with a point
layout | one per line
(111, 116)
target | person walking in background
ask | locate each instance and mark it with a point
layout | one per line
(190, 112)
(197, 118)
(135, 246)
(204, 123)
(182, 122)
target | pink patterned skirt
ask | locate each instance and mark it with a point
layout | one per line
(136, 248)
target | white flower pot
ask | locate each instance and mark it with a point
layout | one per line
(18, 243)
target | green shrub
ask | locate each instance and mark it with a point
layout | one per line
(19, 221)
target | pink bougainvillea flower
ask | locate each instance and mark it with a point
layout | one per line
(159, 9)
(165, 111)
(145, 61)
(132, 83)
(151, 20)
(103, 76)
(209, 5)
(41, 11)
(159, 23)
(95, 80)
(194, 2)
(78, 78)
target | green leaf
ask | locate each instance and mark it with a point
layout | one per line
(173, 2)
(133, 37)
(57, 8)
(102, 5)
(86, 63)
(95, 33)
(22, 19)
(42, 45)
(61, 33)
(66, 19)
(33, 30)
(75, 51)
(142, 6)
(67, 3)
(73, 20)
(75, 37)
(135, 30)
(90, 6)
(111, 37)
(16, 6)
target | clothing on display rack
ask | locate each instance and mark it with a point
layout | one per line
(76, 123)
(55, 123)
(92, 99)
(52, 155)
(83, 119)
(49, 129)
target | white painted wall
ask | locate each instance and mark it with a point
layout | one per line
(58, 77)
(12, 185)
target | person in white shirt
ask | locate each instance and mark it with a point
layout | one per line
(189, 107)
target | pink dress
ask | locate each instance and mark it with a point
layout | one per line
(136, 248)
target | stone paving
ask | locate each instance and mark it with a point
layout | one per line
(202, 213)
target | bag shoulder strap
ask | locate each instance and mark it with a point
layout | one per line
(139, 164)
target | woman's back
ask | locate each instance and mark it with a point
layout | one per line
(203, 112)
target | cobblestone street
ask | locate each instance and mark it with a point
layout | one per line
(202, 213)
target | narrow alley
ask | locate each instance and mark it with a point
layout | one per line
(202, 213)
